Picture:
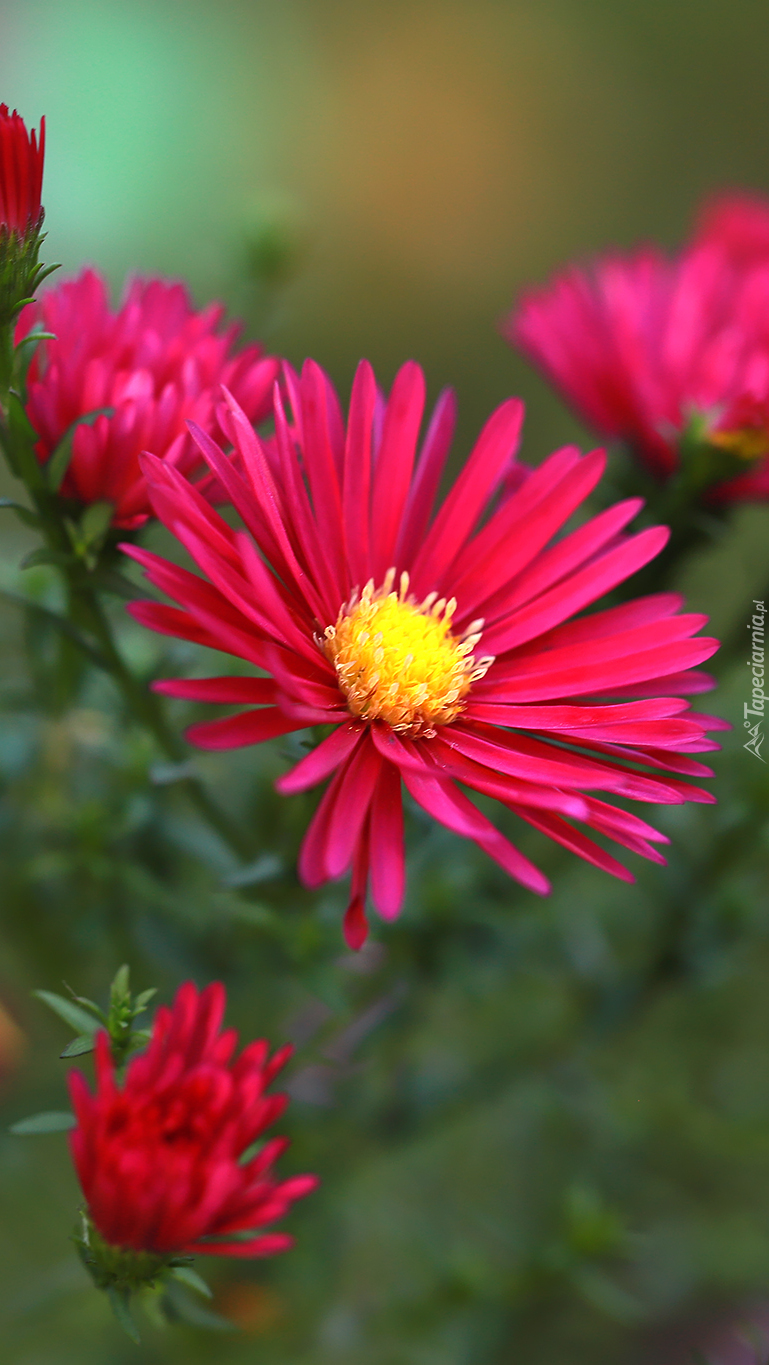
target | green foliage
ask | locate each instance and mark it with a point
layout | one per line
(49, 1122)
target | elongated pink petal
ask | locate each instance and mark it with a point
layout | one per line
(351, 807)
(394, 463)
(386, 848)
(573, 839)
(229, 690)
(463, 506)
(249, 727)
(451, 808)
(583, 588)
(424, 486)
(356, 481)
(490, 569)
(322, 761)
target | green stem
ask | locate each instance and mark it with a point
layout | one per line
(86, 612)
(147, 710)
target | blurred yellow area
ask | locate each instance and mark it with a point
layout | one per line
(13, 1044)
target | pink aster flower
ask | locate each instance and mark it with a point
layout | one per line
(439, 645)
(154, 362)
(656, 350)
(159, 1158)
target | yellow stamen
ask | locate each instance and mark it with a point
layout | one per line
(747, 443)
(397, 660)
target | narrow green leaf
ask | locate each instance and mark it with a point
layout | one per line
(121, 985)
(33, 337)
(45, 556)
(194, 1313)
(22, 437)
(141, 1002)
(58, 622)
(109, 580)
(95, 522)
(71, 1014)
(58, 464)
(264, 869)
(24, 514)
(140, 1037)
(190, 1277)
(79, 1046)
(163, 774)
(120, 1304)
(45, 271)
(50, 1121)
(89, 1006)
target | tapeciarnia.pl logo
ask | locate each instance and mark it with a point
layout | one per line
(755, 707)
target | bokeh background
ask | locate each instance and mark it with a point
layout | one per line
(542, 1128)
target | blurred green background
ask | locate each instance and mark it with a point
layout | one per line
(542, 1128)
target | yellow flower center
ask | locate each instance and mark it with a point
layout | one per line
(397, 660)
(747, 443)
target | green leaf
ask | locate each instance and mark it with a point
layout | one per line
(79, 1046)
(45, 556)
(58, 464)
(95, 521)
(193, 1313)
(190, 1277)
(34, 337)
(50, 1121)
(141, 1002)
(120, 1301)
(121, 985)
(23, 438)
(264, 869)
(110, 580)
(60, 623)
(71, 1014)
(140, 1037)
(24, 514)
(89, 1006)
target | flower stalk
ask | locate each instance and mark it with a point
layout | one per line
(80, 550)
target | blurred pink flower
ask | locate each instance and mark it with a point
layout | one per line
(438, 647)
(155, 362)
(642, 345)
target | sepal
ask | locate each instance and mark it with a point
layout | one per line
(162, 1281)
(21, 271)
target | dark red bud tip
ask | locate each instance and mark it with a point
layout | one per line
(355, 924)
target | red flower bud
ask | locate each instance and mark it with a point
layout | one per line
(159, 1158)
(21, 172)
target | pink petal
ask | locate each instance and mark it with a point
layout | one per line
(386, 851)
(394, 463)
(322, 761)
(230, 690)
(464, 504)
(250, 727)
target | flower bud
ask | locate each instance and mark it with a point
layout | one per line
(21, 213)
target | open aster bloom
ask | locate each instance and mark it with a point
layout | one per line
(21, 173)
(439, 647)
(154, 363)
(647, 347)
(159, 1158)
